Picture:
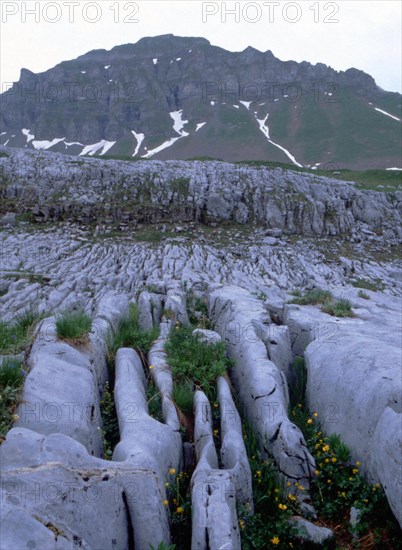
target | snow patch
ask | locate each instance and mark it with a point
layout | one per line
(388, 114)
(236, 106)
(6, 142)
(83, 72)
(212, 103)
(399, 169)
(3, 133)
(178, 125)
(94, 148)
(265, 130)
(73, 143)
(107, 66)
(277, 99)
(246, 104)
(26, 132)
(140, 138)
(45, 144)
(178, 58)
(199, 126)
(155, 60)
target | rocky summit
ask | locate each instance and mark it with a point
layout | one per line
(196, 354)
(170, 97)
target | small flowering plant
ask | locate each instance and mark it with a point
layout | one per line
(337, 484)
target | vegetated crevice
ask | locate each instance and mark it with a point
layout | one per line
(130, 526)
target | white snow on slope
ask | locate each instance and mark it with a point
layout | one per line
(73, 143)
(26, 132)
(45, 144)
(164, 145)
(6, 143)
(92, 149)
(212, 103)
(155, 60)
(83, 72)
(236, 106)
(178, 58)
(140, 138)
(246, 104)
(399, 169)
(107, 66)
(3, 133)
(265, 130)
(199, 126)
(388, 114)
(178, 125)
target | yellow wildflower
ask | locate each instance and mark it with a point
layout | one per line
(358, 463)
(325, 448)
(165, 503)
(151, 366)
(179, 510)
(172, 471)
(333, 459)
(315, 414)
(275, 540)
(355, 471)
(242, 524)
(282, 507)
(317, 473)
(310, 421)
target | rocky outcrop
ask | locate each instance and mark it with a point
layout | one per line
(150, 192)
(262, 387)
(354, 382)
(52, 401)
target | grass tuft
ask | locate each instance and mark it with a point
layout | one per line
(15, 336)
(11, 380)
(195, 362)
(73, 326)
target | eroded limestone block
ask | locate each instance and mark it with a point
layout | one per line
(213, 491)
(261, 385)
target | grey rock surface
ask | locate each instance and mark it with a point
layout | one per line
(261, 385)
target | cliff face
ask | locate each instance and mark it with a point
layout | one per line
(57, 187)
(177, 98)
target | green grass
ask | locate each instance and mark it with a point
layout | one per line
(338, 485)
(16, 336)
(376, 285)
(11, 380)
(183, 397)
(297, 389)
(268, 521)
(154, 401)
(129, 334)
(363, 295)
(338, 308)
(110, 425)
(195, 362)
(311, 297)
(73, 326)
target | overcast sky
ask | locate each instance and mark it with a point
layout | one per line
(342, 34)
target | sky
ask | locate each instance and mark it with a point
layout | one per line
(364, 34)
